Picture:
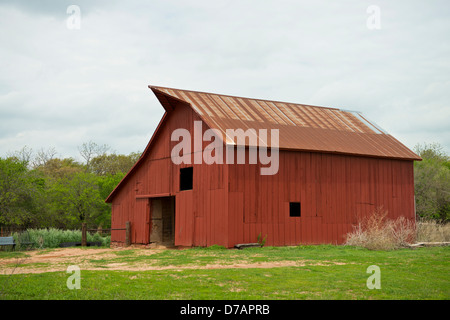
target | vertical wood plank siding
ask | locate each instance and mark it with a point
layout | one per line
(335, 192)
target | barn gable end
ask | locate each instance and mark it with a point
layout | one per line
(155, 177)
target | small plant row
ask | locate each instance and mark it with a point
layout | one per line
(53, 238)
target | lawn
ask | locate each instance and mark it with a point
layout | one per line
(275, 273)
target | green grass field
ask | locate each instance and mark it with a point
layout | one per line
(289, 273)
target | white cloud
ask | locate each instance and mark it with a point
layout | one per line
(61, 87)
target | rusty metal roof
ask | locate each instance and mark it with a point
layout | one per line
(301, 127)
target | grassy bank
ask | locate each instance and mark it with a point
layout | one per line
(306, 272)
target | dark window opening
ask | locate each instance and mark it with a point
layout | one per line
(294, 209)
(186, 178)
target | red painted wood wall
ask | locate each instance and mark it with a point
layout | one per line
(335, 192)
(232, 204)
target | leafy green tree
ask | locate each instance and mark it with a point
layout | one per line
(20, 192)
(432, 182)
(106, 185)
(59, 168)
(75, 195)
(108, 182)
(41, 190)
(75, 198)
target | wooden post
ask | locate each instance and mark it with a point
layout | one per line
(83, 234)
(128, 233)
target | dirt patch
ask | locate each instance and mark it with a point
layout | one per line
(57, 260)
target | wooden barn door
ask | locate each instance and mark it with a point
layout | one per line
(184, 224)
(162, 220)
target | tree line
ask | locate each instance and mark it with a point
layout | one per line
(38, 189)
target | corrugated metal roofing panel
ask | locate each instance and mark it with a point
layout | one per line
(301, 127)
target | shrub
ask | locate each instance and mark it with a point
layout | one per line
(376, 232)
(432, 231)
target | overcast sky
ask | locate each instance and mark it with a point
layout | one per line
(61, 86)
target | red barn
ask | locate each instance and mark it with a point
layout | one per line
(330, 168)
